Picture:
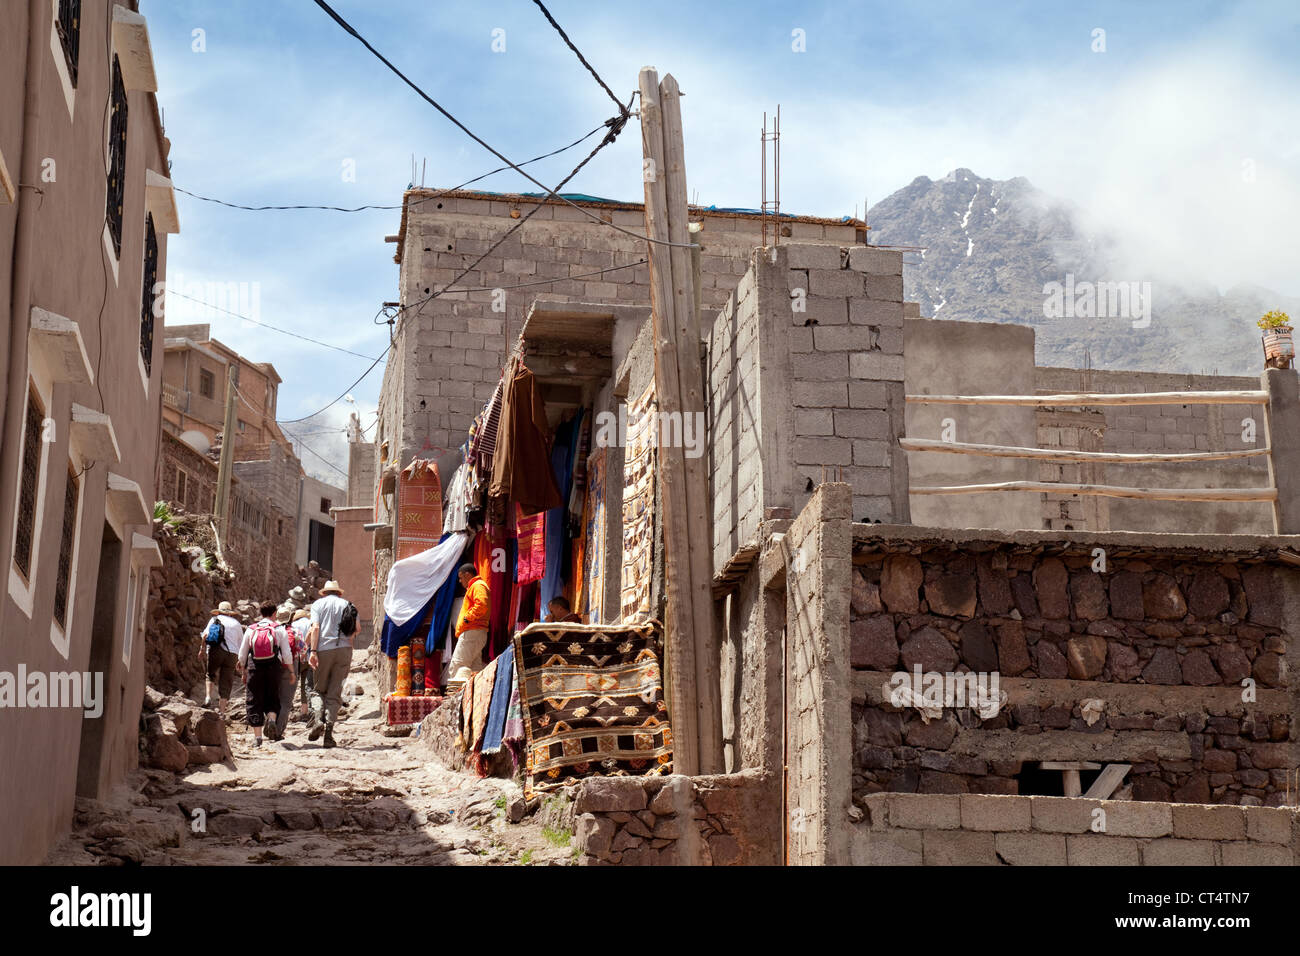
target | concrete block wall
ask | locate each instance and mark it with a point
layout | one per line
(1166, 429)
(906, 829)
(451, 350)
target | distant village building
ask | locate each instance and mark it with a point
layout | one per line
(86, 208)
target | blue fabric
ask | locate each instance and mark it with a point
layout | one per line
(395, 636)
(501, 690)
(440, 601)
(443, 599)
(557, 523)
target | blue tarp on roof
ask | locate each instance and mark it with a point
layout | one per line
(584, 197)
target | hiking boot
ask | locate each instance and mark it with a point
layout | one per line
(273, 732)
(329, 736)
(315, 728)
(257, 741)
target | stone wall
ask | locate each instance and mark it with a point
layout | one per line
(199, 495)
(180, 602)
(1185, 649)
(711, 820)
(900, 829)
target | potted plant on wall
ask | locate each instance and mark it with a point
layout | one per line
(1279, 348)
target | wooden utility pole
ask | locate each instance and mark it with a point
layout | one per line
(226, 463)
(693, 661)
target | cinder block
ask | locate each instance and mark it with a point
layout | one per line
(1270, 824)
(808, 255)
(801, 340)
(814, 421)
(873, 454)
(958, 848)
(862, 423)
(1196, 822)
(1170, 851)
(1063, 814)
(875, 312)
(844, 283)
(820, 394)
(1031, 849)
(886, 848)
(1257, 854)
(876, 366)
(934, 811)
(983, 812)
(823, 451)
(887, 288)
(1095, 849)
(821, 366)
(886, 262)
(841, 338)
(868, 395)
(1138, 818)
(823, 310)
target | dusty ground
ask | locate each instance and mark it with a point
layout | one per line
(372, 799)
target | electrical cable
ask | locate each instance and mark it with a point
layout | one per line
(576, 52)
(306, 447)
(616, 126)
(291, 421)
(264, 325)
(413, 202)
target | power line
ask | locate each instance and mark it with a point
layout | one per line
(292, 421)
(306, 447)
(413, 202)
(576, 52)
(616, 126)
(264, 325)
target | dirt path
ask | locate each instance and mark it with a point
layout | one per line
(372, 799)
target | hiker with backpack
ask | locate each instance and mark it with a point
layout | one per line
(306, 682)
(288, 675)
(221, 640)
(264, 653)
(333, 625)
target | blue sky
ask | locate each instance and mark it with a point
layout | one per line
(1183, 136)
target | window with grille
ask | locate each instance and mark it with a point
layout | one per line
(207, 383)
(25, 537)
(68, 25)
(116, 159)
(146, 295)
(325, 506)
(64, 579)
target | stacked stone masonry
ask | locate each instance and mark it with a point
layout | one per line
(899, 829)
(1189, 657)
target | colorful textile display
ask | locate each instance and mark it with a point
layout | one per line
(513, 735)
(476, 704)
(413, 581)
(532, 546)
(594, 522)
(638, 507)
(593, 702)
(417, 665)
(520, 470)
(409, 710)
(403, 688)
(558, 552)
(419, 508)
(501, 690)
(457, 502)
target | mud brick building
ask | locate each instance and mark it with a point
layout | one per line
(86, 208)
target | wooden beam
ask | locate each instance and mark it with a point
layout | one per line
(1099, 398)
(1106, 491)
(1108, 781)
(696, 586)
(1068, 454)
(679, 642)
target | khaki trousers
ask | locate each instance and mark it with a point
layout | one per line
(333, 670)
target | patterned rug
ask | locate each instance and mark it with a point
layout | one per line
(419, 508)
(593, 702)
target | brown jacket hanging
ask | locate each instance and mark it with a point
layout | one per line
(521, 468)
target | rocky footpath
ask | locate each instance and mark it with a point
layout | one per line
(176, 733)
(373, 799)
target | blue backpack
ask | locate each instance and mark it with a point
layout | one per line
(216, 635)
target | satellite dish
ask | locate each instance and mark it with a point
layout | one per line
(196, 440)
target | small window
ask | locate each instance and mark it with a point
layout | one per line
(180, 487)
(64, 579)
(25, 536)
(279, 526)
(325, 506)
(68, 25)
(207, 383)
(242, 424)
(116, 160)
(146, 294)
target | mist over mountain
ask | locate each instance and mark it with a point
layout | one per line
(986, 250)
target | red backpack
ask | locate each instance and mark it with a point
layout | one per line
(263, 641)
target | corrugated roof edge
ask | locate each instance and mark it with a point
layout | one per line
(582, 199)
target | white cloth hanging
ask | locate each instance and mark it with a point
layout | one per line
(456, 519)
(412, 581)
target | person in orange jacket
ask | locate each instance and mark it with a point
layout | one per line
(471, 626)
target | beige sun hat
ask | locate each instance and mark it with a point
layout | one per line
(331, 587)
(299, 615)
(224, 608)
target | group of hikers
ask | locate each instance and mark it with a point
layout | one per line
(309, 648)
